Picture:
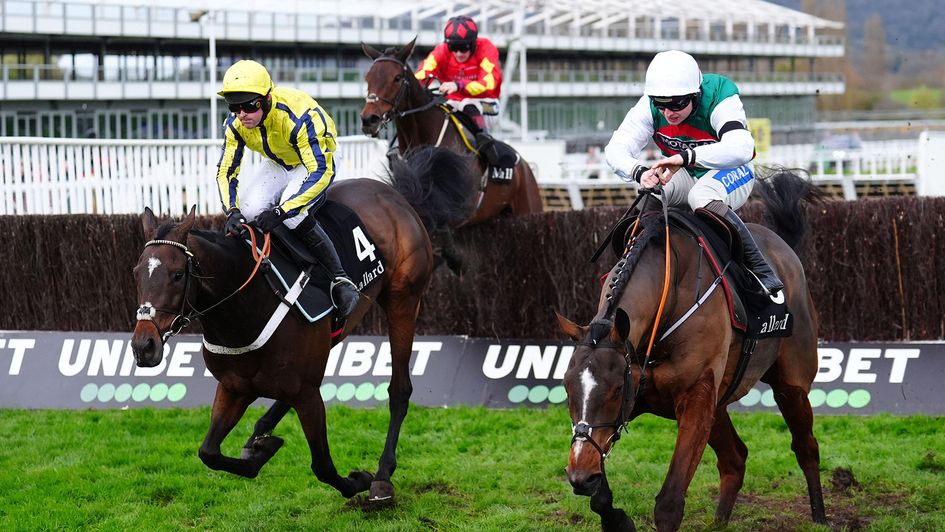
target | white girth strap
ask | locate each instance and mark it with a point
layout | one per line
(271, 325)
(446, 122)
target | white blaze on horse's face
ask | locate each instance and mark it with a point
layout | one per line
(587, 386)
(153, 263)
(588, 383)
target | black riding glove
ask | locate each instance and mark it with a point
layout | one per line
(269, 220)
(234, 223)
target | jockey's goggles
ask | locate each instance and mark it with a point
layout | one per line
(247, 107)
(672, 103)
(459, 47)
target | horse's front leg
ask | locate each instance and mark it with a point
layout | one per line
(695, 409)
(731, 453)
(611, 519)
(228, 409)
(311, 411)
(402, 319)
(262, 444)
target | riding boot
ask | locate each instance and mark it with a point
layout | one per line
(344, 294)
(473, 112)
(753, 259)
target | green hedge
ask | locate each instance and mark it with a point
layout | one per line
(875, 269)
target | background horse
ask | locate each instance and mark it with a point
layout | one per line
(395, 94)
(690, 370)
(185, 273)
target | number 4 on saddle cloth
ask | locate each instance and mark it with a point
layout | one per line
(753, 313)
(291, 264)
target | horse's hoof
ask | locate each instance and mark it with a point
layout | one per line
(382, 492)
(359, 481)
(262, 448)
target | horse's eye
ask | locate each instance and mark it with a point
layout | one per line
(178, 276)
(399, 77)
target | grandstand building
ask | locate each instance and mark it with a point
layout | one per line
(133, 69)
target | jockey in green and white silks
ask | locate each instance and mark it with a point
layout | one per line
(699, 124)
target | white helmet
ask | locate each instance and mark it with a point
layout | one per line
(672, 73)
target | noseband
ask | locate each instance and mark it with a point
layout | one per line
(394, 104)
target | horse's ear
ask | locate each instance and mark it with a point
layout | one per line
(149, 223)
(404, 53)
(187, 224)
(568, 327)
(621, 325)
(370, 51)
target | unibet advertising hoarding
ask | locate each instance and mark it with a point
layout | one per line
(97, 370)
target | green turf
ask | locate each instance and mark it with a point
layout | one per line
(459, 469)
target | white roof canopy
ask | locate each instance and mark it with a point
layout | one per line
(598, 14)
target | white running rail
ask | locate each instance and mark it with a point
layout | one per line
(98, 176)
(101, 176)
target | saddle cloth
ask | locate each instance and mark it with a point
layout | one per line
(288, 258)
(753, 313)
(498, 157)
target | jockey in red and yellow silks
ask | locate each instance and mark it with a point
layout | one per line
(467, 66)
(477, 77)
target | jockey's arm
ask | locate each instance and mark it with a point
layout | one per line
(736, 146)
(489, 77)
(624, 152)
(315, 146)
(430, 67)
(228, 168)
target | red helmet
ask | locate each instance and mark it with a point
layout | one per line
(461, 32)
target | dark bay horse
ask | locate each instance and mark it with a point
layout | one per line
(688, 373)
(395, 94)
(184, 274)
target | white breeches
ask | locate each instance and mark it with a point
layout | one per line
(732, 187)
(270, 185)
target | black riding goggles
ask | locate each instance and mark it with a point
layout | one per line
(672, 103)
(247, 107)
(459, 48)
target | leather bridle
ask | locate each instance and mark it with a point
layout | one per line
(394, 111)
(183, 317)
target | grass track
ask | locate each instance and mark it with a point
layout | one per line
(460, 469)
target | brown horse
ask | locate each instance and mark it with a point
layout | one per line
(610, 380)
(185, 274)
(395, 94)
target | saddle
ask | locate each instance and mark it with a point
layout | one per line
(290, 264)
(753, 313)
(498, 157)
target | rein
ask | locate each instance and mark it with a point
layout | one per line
(581, 431)
(183, 317)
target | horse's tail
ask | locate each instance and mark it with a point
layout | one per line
(782, 192)
(438, 183)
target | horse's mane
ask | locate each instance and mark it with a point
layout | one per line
(438, 183)
(650, 226)
(162, 231)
